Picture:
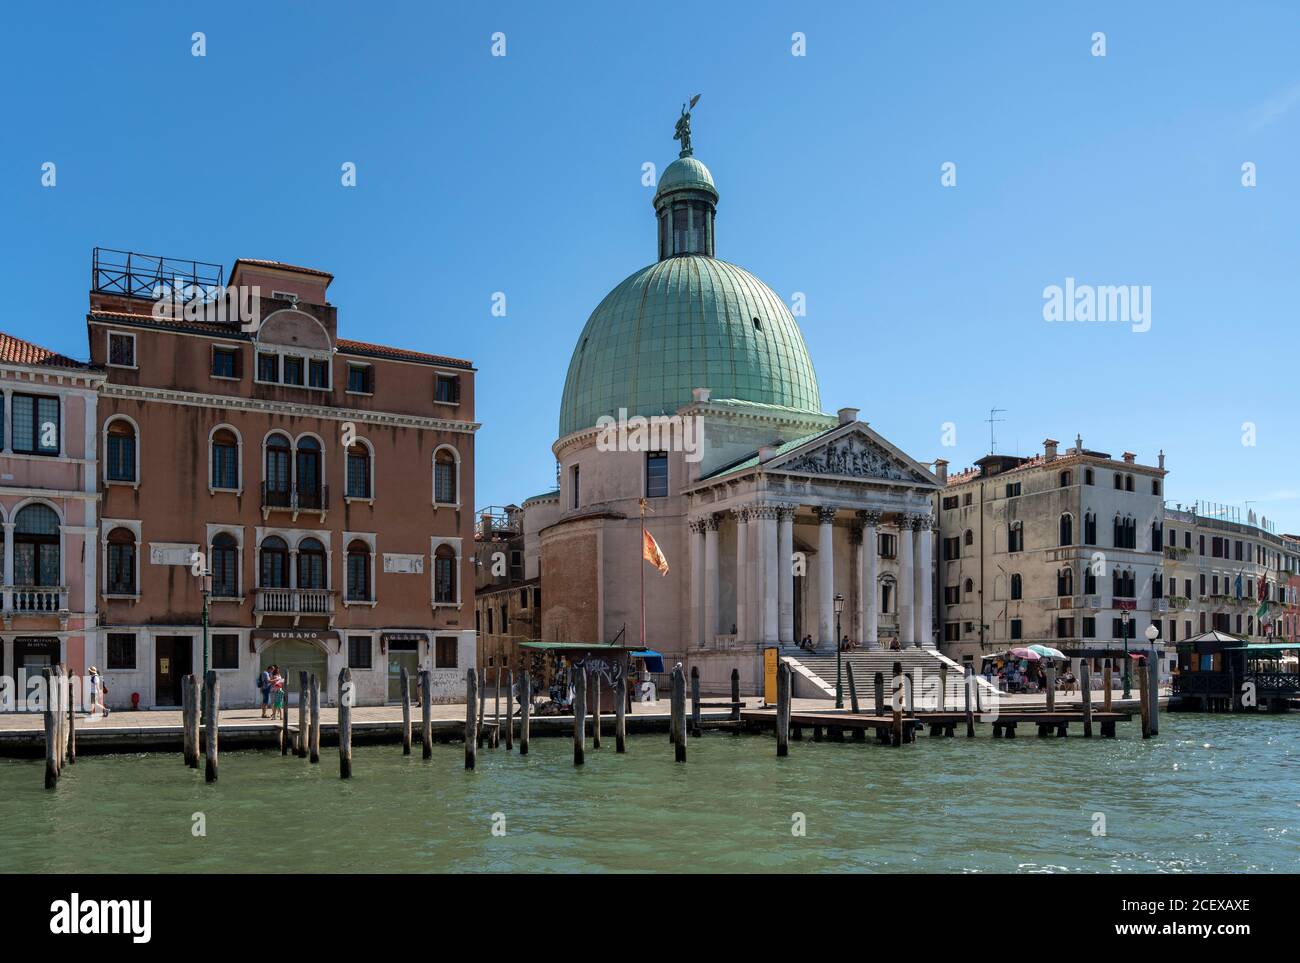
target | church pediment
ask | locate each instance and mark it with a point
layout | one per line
(854, 454)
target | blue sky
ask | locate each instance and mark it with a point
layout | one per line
(521, 174)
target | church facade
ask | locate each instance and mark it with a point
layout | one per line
(692, 408)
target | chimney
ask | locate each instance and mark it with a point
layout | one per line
(941, 470)
(1129, 458)
(701, 394)
(1160, 459)
(1049, 449)
(847, 415)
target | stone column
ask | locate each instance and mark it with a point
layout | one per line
(785, 574)
(855, 578)
(906, 584)
(870, 551)
(769, 552)
(6, 599)
(826, 576)
(696, 528)
(710, 577)
(742, 573)
(924, 582)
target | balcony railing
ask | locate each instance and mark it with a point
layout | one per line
(295, 499)
(290, 601)
(36, 599)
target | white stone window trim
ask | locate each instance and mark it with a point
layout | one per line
(306, 355)
(106, 527)
(133, 485)
(239, 459)
(293, 538)
(370, 539)
(109, 335)
(210, 534)
(357, 364)
(433, 471)
(436, 542)
(370, 468)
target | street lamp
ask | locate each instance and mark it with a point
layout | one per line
(1128, 681)
(839, 655)
(1152, 633)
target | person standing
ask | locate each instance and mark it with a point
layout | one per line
(97, 692)
(264, 687)
(276, 685)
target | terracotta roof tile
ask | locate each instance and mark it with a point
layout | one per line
(281, 266)
(17, 351)
(398, 354)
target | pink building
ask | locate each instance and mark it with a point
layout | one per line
(48, 506)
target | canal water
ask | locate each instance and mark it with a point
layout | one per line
(1210, 794)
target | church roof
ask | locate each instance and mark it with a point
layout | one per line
(751, 461)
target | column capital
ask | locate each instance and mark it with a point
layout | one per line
(786, 512)
(696, 525)
(712, 522)
(919, 522)
(825, 514)
(870, 517)
(763, 510)
(741, 514)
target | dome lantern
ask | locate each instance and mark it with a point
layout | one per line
(686, 201)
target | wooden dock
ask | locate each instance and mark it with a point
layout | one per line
(833, 725)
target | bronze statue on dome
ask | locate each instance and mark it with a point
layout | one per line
(683, 129)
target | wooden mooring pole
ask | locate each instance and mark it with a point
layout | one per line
(579, 716)
(510, 710)
(783, 709)
(679, 714)
(595, 710)
(943, 685)
(896, 704)
(480, 731)
(853, 691)
(71, 683)
(189, 751)
(970, 683)
(1153, 698)
(314, 746)
(346, 698)
(496, 704)
(735, 697)
(212, 713)
(620, 714)
(51, 733)
(1107, 680)
(471, 717)
(404, 686)
(1049, 676)
(1144, 698)
(880, 693)
(525, 709)
(1085, 681)
(695, 701)
(426, 713)
(304, 701)
(284, 725)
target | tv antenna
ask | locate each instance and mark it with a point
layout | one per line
(992, 420)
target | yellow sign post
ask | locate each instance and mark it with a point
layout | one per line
(770, 660)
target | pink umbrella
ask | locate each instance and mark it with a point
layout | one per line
(1023, 653)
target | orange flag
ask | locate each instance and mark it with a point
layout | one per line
(651, 552)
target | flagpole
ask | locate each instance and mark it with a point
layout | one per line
(641, 565)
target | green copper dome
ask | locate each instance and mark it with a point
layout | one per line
(686, 173)
(688, 321)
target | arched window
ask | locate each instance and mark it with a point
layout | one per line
(358, 587)
(444, 574)
(1090, 529)
(225, 566)
(969, 587)
(225, 459)
(311, 564)
(887, 596)
(1015, 537)
(274, 562)
(970, 537)
(277, 480)
(119, 453)
(1128, 483)
(358, 475)
(1067, 529)
(1066, 479)
(308, 469)
(444, 477)
(1065, 581)
(36, 546)
(121, 562)
(1017, 590)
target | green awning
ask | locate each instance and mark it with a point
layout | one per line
(1271, 646)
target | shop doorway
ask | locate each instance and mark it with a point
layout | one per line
(31, 658)
(401, 655)
(173, 661)
(294, 656)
